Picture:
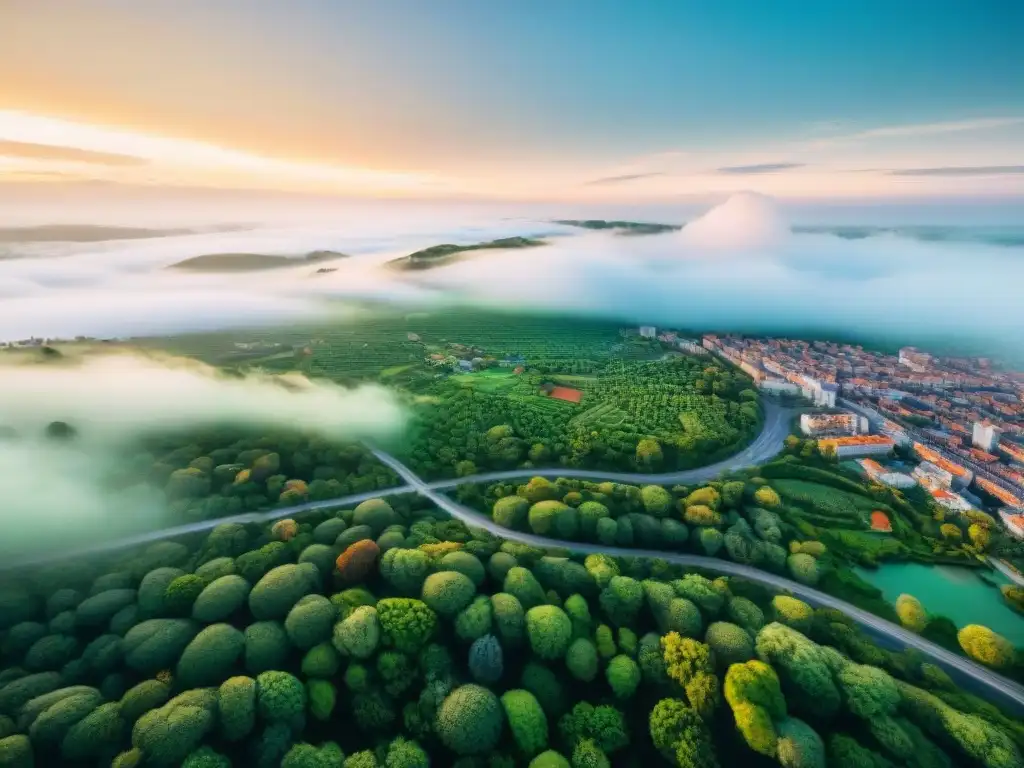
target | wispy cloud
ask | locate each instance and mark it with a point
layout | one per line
(30, 151)
(759, 168)
(961, 170)
(931, 129)
(621, 179)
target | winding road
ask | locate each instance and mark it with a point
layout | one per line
(987, 683)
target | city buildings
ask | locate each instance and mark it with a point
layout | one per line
(986, 436)
(852, 447)
(833, 424)
(932, 477)
(914, 359)
(880, 474)
(648, 331)
(1013, 519)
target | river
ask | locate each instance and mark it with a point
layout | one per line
(951, 591)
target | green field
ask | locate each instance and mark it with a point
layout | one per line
(829, 507)
(691, 406)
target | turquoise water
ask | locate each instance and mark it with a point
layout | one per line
(950, 591)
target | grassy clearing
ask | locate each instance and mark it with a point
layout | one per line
(828, 506)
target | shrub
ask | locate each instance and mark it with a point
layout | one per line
(220, 599)
(97, 610)
(803, 568)
(729, 643)
(745, 613)
(867, 691)
(321, 661)
(310, 621)
(691, 665)
(711, 541)
(475, 620)
(755, 697)
(147, 695)
(683, 617)
(50, 652)
(706, 496)
(499, 565)
(153, 590)
(511, 512)
(328, 531)
(275, 594)
(97, 734)
(578, 610)
(983, 645)
(591, 513)
(549, 631)
(16, 752)
(792, 612)
(486, 660)
(181, 594)
(680, 735)
(804, 667)
(375, 513)
(700, 591)
(766, 497)
(581, 659)
(604, 725)
(407, 624)
(320, 556)
(53, 723)
(214, 569)
(359, 634)
(623, 676)
(348, 600)
(799, 745)
(206, 757)
(211, 656)
(549, 759)
(168, 734)
(352, 535)
(266, 646)
(405, 569)
(545, 686)
(586, 754)
(509, 619)
(157, 644)
(622, 599)
(542, 516)
(403, 753)
(526, 720)
(448, 592)
(281, 698)
(464, 563)
(357, 561)
(469, 720)
(656, 500)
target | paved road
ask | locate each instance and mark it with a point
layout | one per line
(987, 683)
(992, 684)
(768, 443)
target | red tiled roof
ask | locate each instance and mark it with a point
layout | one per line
(567, 394)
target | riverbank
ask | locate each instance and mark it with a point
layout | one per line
(951, 591)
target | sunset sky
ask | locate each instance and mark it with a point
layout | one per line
(569, 100)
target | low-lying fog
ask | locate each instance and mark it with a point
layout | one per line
(738, 266)
(56, 493)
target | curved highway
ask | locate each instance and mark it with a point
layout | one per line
(995, 685)
(768, 443)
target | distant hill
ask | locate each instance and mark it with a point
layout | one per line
(80, 233)
(446, 253)
(251, 262)
(623, 227)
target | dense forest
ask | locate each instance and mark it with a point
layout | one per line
(657, 416)
(386, 635)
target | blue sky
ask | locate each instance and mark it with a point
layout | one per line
(651, 98)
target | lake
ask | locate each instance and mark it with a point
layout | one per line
(950, 591)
